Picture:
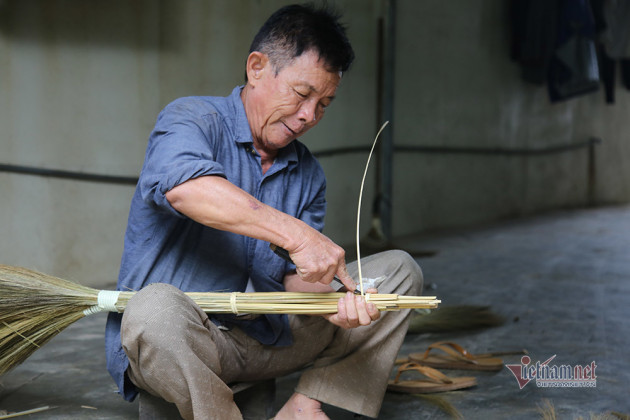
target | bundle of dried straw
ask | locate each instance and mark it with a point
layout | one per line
(35, 307)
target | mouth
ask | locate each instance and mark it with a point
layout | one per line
(293, 133)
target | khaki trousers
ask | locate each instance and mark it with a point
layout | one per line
(177, 353)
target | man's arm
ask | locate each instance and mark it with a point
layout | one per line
(214, 201)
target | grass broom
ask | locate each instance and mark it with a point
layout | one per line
(35, 307)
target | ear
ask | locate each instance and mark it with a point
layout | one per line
(257, 65)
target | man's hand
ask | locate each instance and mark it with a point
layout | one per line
(318, 259)
(353, 311)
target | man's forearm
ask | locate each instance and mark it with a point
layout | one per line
(214, 201)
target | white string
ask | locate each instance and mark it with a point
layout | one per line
(106, 302)
(233, 302)
(92, 310)
(367, 164)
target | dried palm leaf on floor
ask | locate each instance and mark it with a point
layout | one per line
(612, 415)
(442, 404)
(453, 318)
(35, 307)
(547, 411)
(5, 415)
(609, 415)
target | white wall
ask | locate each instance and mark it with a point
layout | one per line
(81, 84)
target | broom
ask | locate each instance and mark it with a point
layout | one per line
(35, 307)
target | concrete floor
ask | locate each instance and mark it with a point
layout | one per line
(561, 282)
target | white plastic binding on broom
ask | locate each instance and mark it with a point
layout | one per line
(106, 302)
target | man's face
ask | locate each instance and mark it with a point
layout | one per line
(290, 103)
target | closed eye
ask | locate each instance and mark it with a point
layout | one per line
(300, 94)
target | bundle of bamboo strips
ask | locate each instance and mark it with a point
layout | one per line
(35, 307)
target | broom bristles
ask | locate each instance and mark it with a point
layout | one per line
(35, 307)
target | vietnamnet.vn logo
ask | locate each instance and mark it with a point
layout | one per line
(547, 375)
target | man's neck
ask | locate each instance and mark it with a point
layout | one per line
(266, 164)
(266, 158)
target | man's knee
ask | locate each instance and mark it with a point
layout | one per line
(149, 314)
(407, 270)
(165, 336)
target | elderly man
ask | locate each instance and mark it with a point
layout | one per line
(223, 178)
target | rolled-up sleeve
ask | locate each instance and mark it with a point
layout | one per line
(313, 215)
(181, 147)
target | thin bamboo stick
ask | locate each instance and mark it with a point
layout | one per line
(367, 165)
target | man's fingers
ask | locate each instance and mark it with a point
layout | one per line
(362, 311)
(351, 310)
(342, 274)
(340, 318)
(373, 311)
(319, 260)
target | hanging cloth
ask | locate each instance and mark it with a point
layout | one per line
(574, 69)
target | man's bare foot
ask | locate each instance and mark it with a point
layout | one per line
(300, 406)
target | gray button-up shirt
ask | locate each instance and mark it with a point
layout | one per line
(199, 136)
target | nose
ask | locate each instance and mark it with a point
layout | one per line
(308, 112)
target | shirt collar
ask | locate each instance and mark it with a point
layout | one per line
(242, 132)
